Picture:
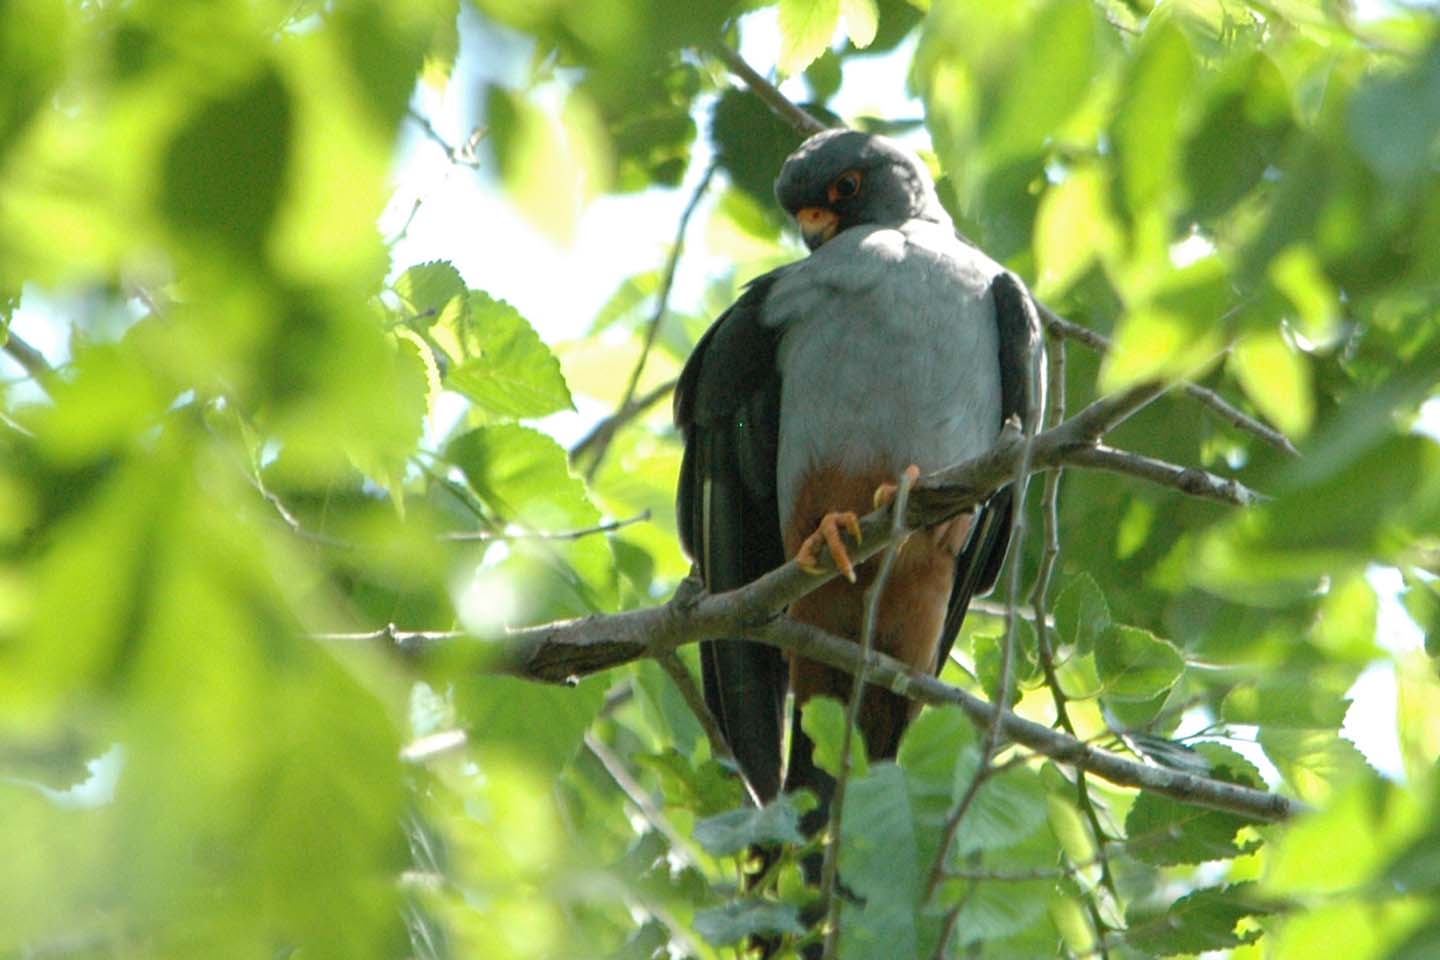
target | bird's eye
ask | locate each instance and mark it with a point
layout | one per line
(847, 185)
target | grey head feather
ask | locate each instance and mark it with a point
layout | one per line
(895, 186)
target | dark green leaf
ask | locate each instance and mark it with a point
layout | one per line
(1199, 922)
(729, 833)
(1081, 614)
(722, 926)
(1135, 664)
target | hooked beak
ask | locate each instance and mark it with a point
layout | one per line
(817, 225)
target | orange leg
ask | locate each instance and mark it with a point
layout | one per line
(827, 535)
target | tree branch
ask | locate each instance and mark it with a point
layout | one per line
(32, 360)
(601, 443)
(804, 123)
(1059, 327)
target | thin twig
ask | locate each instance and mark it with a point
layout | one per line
(991, 740)
(1192, 481)
(463, 155)
(1058, 327)
(653, 814)
(1044, 632)
(604, 431)
(830, 870)
(662, 307)
(671, 663)
(656, 818)
(803, 122)
(484, 536)
(32, 360)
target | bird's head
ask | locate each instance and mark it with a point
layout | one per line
(844, 178)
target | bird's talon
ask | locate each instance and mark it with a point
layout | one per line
(828, 534)
(885, 493)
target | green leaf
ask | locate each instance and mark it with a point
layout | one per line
(1135, 664)
(1422, 600)
(501, 712)
(880, 862)
(862, 17)
(1049, 79)
(427, 289)
(722, 926)
(504, 367)
(523, 476)
(823, 721)
(806, 29)
(1394, 119)
(1008, 808)
(734, 831)
(1314, 762)
(707, 789)
(1350, 842)
(1241, 134)
(932, 745)
(1277, 378)
(1286, 702)
(1073, 228)
(1165, 832)
(1199, 922)
(1147, 121)
(226, 170)
(1081, 613)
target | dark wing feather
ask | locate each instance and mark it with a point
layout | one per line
(978, 566)
(727, 404)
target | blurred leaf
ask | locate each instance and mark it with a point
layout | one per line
(1073, 228)
(823, 721)
(1422, 600)
(1284, 702)
(1349, 842)
(1277, 378)
(549, 167)
(727, 834)
(1314, 762)
(806, 29)
(862, 18)
(226, 169)
(1395, 118)
(1247, 121)
(721, 926)
(1148, 118)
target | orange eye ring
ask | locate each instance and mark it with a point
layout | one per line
(845, 186)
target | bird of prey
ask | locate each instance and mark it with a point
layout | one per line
(894, 344)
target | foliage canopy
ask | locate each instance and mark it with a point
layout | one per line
(246, 461)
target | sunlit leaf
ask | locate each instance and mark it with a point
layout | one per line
(806, 29)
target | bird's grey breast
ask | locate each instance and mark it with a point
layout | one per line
(888, 354)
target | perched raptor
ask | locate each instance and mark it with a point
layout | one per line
(894, 344)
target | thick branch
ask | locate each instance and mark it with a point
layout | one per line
(884, 671)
